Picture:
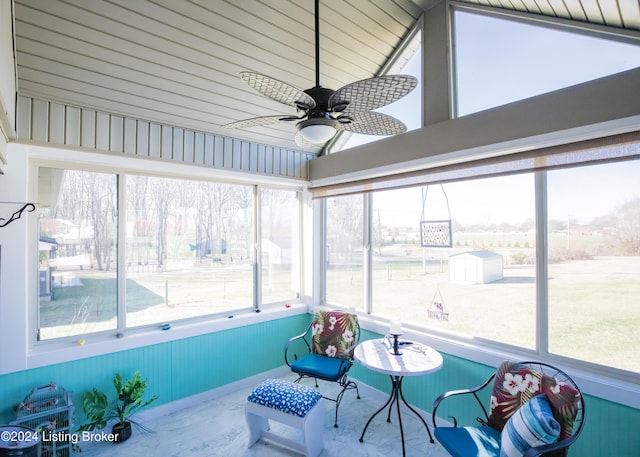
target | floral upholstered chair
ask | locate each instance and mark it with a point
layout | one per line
(325, 351)
(535, 410)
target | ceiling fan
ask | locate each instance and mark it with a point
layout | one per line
(322, 112)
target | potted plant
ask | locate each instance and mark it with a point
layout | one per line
(129, 400)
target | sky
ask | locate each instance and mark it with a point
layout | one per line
(516, 60)
(512, 62)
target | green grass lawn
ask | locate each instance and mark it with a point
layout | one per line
(594, 311)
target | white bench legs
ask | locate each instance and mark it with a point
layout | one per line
(287, 396)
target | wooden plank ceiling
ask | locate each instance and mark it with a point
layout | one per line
(177, 61)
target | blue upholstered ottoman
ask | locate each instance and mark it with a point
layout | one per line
(291, 404)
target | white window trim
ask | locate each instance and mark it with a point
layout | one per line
(54, 351)
(47, 352)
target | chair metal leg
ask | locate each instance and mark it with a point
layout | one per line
(304, 376)
(346, 384)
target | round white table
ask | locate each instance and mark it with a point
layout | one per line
(414, 359)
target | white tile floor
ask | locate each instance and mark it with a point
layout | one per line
(217, 428)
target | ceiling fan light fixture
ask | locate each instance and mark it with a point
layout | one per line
(317, 130)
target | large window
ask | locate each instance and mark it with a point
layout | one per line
(487, 284)
(344, 251)
(280, 240)
(78, 258)
(123, 251)
(188, 249)
(486, 277)
(518, 60)
(594, 263)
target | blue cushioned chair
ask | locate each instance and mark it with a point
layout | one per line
(513, 385)
(325, 351)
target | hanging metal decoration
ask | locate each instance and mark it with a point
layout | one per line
(435, 233)
(30, 207)
(437, 310)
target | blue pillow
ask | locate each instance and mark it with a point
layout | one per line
(532, 425)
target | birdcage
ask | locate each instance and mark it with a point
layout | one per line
(49, 411)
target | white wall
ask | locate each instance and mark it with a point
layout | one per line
(7, 80)
(14, 310)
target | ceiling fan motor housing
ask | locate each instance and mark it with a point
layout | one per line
(321, 95)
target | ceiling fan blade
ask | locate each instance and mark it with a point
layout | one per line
(258, 121)
(372, 93)
(278, 90)
(372, 123)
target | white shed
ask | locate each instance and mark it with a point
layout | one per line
(476, 267)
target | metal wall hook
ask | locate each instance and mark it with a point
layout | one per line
(30, 207)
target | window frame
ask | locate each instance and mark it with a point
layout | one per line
(366, 271)
(297, 262)
(607, 382)
(53, 350)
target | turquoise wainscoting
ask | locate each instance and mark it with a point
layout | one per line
(610, 429)
(190, 366)
(175, 369)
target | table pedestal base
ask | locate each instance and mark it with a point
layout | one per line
(396, 395)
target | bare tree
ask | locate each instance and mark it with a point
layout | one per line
(163, 197)
(242, 204)
(203, 221)
(346, 222)
(628, 227)
(138, 197)
(100, 191)
(218, 202)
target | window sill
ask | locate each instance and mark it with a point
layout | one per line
(49, 353)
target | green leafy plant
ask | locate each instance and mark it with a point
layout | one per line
(129, 399)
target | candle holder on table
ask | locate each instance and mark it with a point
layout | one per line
(395, 349)
(395, 330)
